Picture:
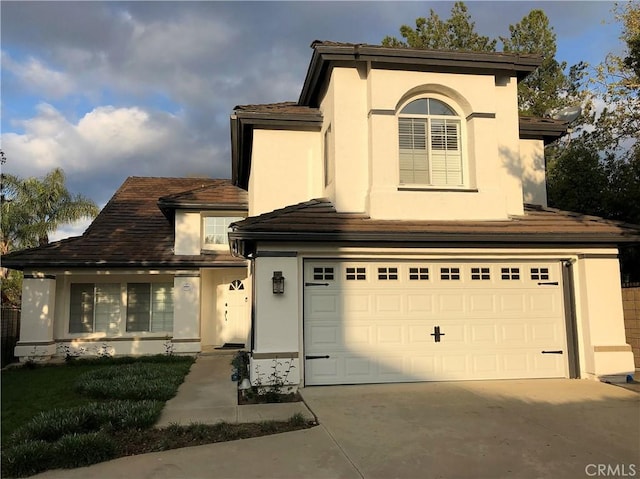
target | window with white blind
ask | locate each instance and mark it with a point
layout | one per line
(430, 142)
(99, 308)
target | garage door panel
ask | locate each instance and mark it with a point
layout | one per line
(483, 333)
(482, 303)
(494, 318)
(388, 303)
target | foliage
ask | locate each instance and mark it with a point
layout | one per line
(617, 83)
(71, 434)
(455, 33)
(32, 208)
(112, 415)
(240, 363)
(135, 381)
(11, 283)
(273, 387)
(546, 89)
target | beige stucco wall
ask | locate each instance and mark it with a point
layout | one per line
(277, 332)
(360, 106)
(53, 297)
(37, 318)
(534, 186)
(286, 168)
(188, 225)
(605, 353)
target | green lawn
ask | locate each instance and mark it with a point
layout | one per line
(26, 392)
(87, 411)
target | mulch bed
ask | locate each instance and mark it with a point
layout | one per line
(173, 437)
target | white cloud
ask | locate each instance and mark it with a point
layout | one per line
(108, 140)
(37, 77)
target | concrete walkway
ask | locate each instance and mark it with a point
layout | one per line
(208, 396)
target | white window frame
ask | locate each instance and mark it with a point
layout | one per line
(221, 229)
(462, 148)
(116, 319)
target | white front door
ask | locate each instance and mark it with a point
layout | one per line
(392, 321)
(234, 306)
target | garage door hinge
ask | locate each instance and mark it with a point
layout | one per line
(316, 284)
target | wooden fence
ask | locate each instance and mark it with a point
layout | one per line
(10, 325)
(631, 307)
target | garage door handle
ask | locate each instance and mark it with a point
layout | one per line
(317, 357)
(316, 284)
(550, 283)
(552, 352)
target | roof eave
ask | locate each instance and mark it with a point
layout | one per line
(325, 56)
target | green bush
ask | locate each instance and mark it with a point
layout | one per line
(135, 381)
(77, 450)
(115, 415)
(28, 458)
(72, 450)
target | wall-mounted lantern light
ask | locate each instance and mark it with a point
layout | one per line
(278, 282)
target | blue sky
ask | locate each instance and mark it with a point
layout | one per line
(107, 90)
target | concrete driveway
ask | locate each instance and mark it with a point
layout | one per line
(483, 429)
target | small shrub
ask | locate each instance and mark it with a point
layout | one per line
(134, 381)
(77, 450)
(28, 458)
(297, 420)
(114, 415)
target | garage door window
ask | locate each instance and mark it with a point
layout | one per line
(450, 274)
(480, 274)
(539, 273)
(323, 273)
(419, 274)
(510, 273)
(388, 273)
(357, 274)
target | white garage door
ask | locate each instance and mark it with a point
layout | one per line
(396, 321)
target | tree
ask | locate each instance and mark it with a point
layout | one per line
(544, 91)
(547, 89)
(32, 208)
(617, 83)
(455, 33)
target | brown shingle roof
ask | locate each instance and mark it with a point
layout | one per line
(317, 220)
(287, 107)
(131, 230)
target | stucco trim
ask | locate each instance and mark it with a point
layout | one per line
(35, 343)
(424, 188)
(194, 340)
(39, 276)
(480, 115)
(285, 355)
(612, 349)
(276, 254)
(195, 274)
(107, 339)
(597, 256)
(377, 111)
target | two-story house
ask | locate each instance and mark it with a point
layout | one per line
(403, 201)
(397, 230)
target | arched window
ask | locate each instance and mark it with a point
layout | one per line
(430, 144)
